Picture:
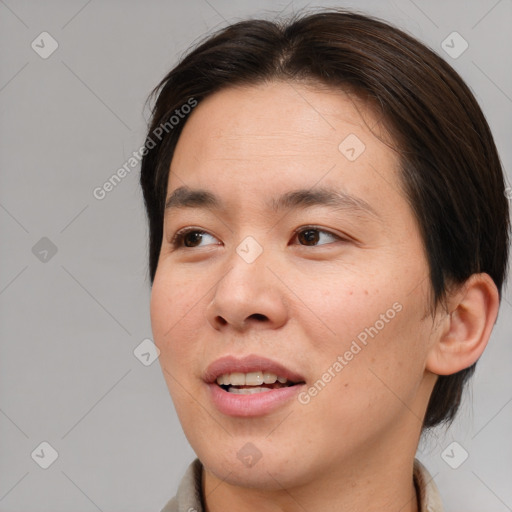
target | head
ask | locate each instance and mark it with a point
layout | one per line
(404, 271)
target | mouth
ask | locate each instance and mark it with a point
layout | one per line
(250, 372)
(253, 382)
(251, 386)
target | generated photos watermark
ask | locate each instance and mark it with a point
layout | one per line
(356, 347)
(133, 161)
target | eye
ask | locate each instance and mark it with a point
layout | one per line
(311, 236)
(191, 237)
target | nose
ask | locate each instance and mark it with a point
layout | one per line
(248, 296)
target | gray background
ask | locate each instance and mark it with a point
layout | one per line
(69, 324)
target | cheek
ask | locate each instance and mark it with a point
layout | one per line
(172, 310)
(176, 317)
(381, 364)
(326, 293)
(173, 296)
(342, 308)
(370, 335)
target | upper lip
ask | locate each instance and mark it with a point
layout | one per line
(250, 363)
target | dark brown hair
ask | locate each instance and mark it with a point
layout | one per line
(450, 169)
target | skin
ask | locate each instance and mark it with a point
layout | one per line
(352, 446)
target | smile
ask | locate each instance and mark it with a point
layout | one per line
(250, 386)
(252, 382)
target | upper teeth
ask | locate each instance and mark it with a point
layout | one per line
(249, 379)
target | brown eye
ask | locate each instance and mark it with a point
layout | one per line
(312, 236)
(308, 236)
(191, 238)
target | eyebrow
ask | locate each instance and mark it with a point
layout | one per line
(186, 197)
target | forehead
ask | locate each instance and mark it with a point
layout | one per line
(264, 116)
(281, 136)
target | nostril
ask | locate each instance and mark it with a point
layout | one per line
(259, 317)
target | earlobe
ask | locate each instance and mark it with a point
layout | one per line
(464, 331)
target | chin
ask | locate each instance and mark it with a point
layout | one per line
(249, 467)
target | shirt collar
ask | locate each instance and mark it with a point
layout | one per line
(428, 494)
(189, 495)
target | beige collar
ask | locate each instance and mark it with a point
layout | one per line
(428, 494)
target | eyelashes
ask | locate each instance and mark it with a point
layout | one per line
(312, 234)
(181, 236)
(190, 236)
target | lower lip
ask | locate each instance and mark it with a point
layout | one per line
(257, 404)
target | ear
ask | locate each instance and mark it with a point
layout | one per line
(465, 328)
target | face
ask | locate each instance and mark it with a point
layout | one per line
(290, 251)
